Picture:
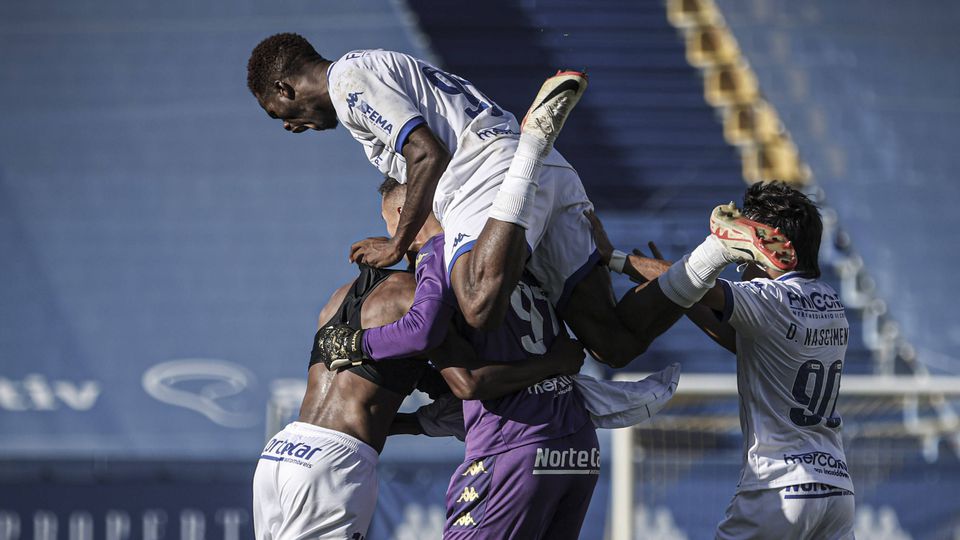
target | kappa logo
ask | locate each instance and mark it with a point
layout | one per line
(421, 257)
(475, 468)
(469, 495)
(465, 520)
(460, 238)
(364, 108)
(352, 99)
(495, 131)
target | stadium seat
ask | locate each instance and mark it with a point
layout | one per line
(688, 13)
(777, 159)
(751, 123)
(709, 46)
(730, 84)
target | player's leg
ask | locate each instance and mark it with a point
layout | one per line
(649, 310)
(484, 277)
(819, 510)
(571, 510)
(837, 521)
(566, 264)
(755, 515)
(797, 512)
(616, 333)
(519, 493)
(267, 514)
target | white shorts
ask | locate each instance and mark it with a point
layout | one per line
(559, 236)
(803, 511)
(313, 482)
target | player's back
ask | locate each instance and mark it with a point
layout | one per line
(361, 401)
(550, 409)
(380, 96)
(791, 340)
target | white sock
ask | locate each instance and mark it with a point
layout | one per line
(709, 259)
(688, 280)
(514, 201)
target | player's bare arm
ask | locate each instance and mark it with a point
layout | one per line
(426, 159)
(703, 314)
(471, 378)
(643, 269)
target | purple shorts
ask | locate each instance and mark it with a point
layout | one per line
(541, 490)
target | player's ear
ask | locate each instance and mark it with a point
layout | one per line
(285, 90)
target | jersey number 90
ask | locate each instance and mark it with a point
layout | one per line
(826, 386)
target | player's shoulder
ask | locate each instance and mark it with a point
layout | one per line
(333, 304)
(759, 285)
(355, 72)
(400, 282)
(394, 295)
(760, 293)
(371, 59)
(431, 252)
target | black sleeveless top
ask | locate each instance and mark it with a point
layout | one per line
(399, 375)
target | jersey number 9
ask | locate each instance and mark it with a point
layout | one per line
(453, 85)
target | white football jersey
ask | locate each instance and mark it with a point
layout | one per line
(791, 340)
(381, 96)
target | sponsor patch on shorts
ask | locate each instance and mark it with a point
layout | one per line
(812, 490)
(569, 461)
(298, 453)
(820, 462)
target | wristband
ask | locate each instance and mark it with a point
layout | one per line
(617, 260)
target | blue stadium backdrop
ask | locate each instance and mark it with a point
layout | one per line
(165, 248)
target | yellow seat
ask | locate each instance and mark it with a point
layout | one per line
(689, 13)
(730, 84)
(777, 159)
(709, 46)
(751, 123)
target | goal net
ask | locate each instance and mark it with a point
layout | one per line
(673, 477)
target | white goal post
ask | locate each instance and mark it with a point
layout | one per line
(919, 403)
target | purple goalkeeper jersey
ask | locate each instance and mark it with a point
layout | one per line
(547, 410)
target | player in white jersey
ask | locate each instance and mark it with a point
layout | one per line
(789, 332)
(506, 200)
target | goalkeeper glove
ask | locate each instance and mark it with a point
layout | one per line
(340, 346)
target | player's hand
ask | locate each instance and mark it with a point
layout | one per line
(604, 247)
(379, 252)
(655, 250)
(568, 354)
(340, 346)
(649, 267)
